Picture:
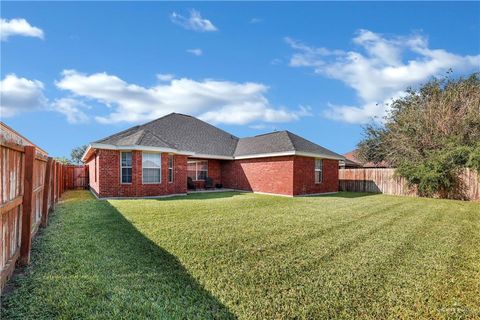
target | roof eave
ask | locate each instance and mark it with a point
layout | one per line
(137, 147)
(208, 156)
(86, 154)
(289, 153)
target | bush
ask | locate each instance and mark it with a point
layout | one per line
(430, 135)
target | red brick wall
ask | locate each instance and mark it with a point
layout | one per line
(304, 176)
(288, 175)
(109, 176)
(270, 175)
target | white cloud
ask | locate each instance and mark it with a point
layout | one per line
(250, 111)
(255, 20)
(196, 52)
(71, 109)
(194, 22)
(379, 70)
(211, 100)
(276, 61)
(18, 27)
(19, 95)
(165, 76)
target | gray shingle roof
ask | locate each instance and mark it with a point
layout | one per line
(183, 132)
(186, 133)
(264, 143)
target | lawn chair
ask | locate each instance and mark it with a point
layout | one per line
(190, 184)
(209, 183)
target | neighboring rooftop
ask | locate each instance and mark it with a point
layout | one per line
(189, 134)
(352, 159)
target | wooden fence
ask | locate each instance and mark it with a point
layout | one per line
(383, 180)
(31, 185)
(76, 177)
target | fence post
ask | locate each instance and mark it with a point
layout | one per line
(63, 179)
(52, 192)
(46, 190)
(26, 240)
(57, 175)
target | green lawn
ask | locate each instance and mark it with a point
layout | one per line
(241, 255)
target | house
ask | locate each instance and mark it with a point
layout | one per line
(352, 160)
(349, 164)
(155, 159)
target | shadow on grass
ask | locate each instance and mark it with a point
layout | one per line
(95, 263)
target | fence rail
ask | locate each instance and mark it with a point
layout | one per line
(31, 185)
(383, 180)
(76, 177)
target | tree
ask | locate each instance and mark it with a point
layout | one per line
(430, 134)
(62, 160)
(77, 154)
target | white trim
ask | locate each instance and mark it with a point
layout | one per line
(318, 155)
(211, 156)
(86, 152)
(315, 170)
(141, 148)
(159, 168)
(168, 168)
(196, 161)
(265, 155)
(121, 166)
(288, 153)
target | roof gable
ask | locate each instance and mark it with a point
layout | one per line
(272, 142)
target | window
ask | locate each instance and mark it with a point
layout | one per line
(318, 170)
(126, 167)
(170, 168)
(151, 167)
(197, 169)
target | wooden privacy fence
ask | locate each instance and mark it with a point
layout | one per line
(383, 180)
(76, 177)
(31, 185)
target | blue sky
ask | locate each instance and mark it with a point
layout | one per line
(73, 73)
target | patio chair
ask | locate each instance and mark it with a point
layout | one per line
(209, 183)
(190, 184)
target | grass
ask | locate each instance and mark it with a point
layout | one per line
(240, 255)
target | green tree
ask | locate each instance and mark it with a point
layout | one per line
(77, 153)
(62, 160)
(430, 134)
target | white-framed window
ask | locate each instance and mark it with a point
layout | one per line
(318, 170)
(126, 167)
(151, 167)
(170, 168)
(197, 169)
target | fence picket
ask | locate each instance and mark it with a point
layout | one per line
(30, 186)
(383, 180)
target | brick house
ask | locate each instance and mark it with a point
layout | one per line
(157, 158)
